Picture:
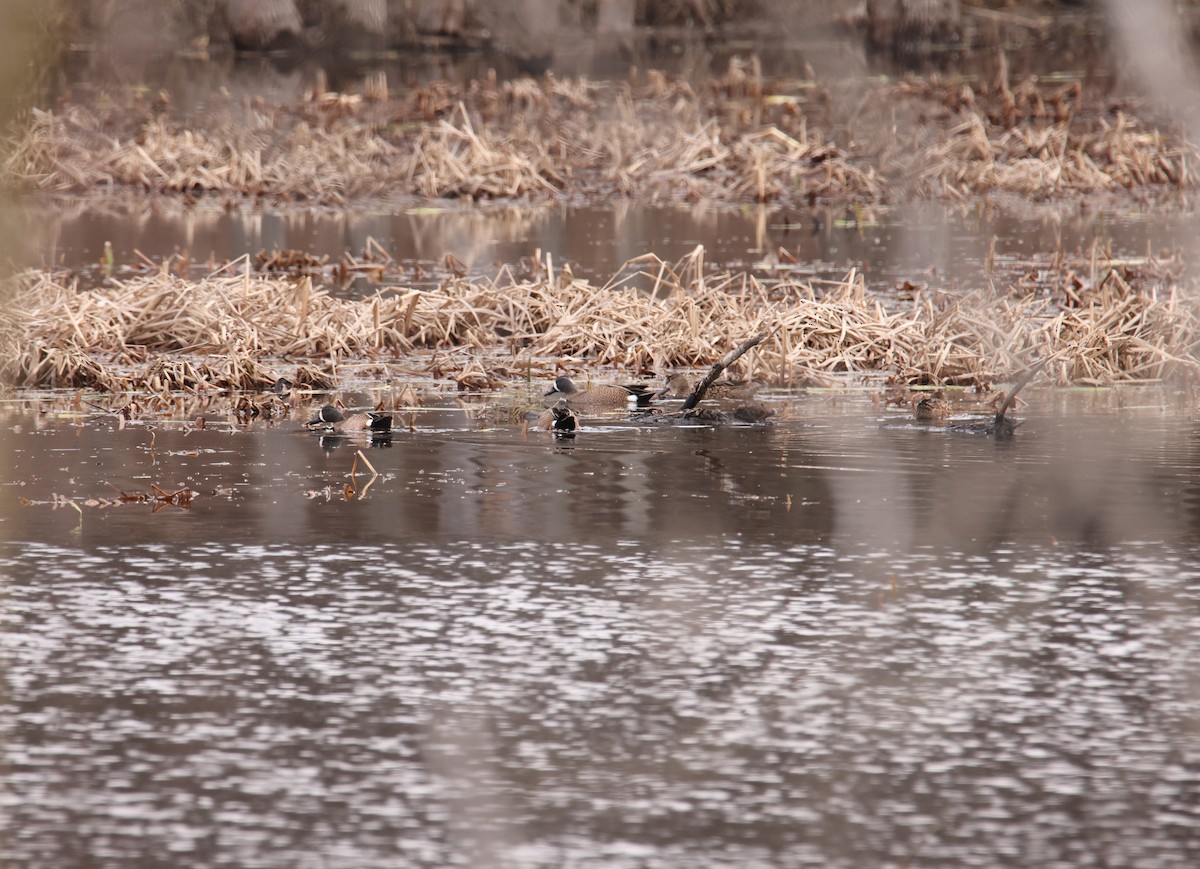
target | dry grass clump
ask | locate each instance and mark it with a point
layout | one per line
(163, 333)
(761, 166)
(258, 155)
(972, 339)
(65, 366)
(1049, 161)
(157, 333)
(1033, 138)
(453, 161)
(70, 366)
(514, 139)
(1121, 333)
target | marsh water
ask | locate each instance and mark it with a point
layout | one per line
(945, 247)
(846, 639)
(841, 640)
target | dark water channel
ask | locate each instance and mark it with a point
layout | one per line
(845, 640)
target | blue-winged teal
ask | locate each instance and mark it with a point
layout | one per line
(597, 398)
(331, 419)
(931, 407)
(678, 386)
(560, 419)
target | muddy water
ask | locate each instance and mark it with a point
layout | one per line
(845, 640)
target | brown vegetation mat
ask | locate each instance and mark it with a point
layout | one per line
(162, 332)
(1106, 155)
(735, 138)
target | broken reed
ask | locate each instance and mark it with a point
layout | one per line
(162, 332)
(734, 138)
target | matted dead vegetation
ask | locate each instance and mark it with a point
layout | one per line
(1036, 139)
(736, 138)
(161, 333)
(1104, 155)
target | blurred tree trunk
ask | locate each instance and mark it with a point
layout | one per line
(436, 16)
(337, 17)
(260, 24)
(370, 15)
(904, 26)
(526, 29)
(615, 17)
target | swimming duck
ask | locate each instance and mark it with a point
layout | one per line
(560, 419)
(931, 407)
(596, 398)
(332, 419)
(678, 386)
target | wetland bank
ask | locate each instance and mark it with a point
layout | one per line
(844, 637)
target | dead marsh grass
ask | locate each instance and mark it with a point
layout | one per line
(1035, 139)
(1045, 162)
(736, 138)
(162, 333)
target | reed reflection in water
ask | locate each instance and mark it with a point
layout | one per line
(911, 244)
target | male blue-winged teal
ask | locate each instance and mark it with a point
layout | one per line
(931, 407)
(331, 419)
(559, 419)
(596, 398)
(679, 386)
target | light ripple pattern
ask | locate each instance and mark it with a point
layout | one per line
(542, 704)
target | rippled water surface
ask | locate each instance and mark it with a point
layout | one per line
(845, 640)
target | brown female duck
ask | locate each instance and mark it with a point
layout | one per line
(931, 407)
(679, 386)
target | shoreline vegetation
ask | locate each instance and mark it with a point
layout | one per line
(1101, 322)
(738, 138)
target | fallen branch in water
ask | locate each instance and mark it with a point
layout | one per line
(1000, 425)
(697, 393)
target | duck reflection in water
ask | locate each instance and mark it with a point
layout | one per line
(331, 442)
